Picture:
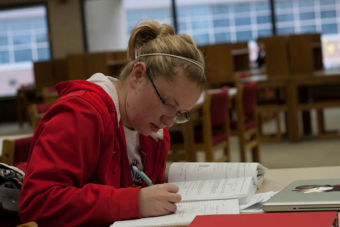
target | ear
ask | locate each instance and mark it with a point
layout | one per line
(137, 74)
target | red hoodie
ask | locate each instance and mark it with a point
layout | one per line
(78, 173)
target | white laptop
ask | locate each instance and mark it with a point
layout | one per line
(306, 195)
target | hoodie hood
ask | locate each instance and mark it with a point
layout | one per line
(67, 87)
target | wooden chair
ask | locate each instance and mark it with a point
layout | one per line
(15, 150)
(49, 73)
(28, 224)
(208, 130)
(97, 62)
(267, 112)
(36, 112)
(301, 60)
(276, 59)
(49, 94)
(240, 56)
(116, 62)
(271, 102)
(245, 126)
(83, 65)
(219, 64)
(272, 94)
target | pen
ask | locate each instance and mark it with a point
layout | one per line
(142, 175)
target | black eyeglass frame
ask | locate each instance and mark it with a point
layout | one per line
(180, 117)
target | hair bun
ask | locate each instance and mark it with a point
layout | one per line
(145, 32)
(188, 39)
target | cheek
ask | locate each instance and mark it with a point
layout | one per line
(142, 108)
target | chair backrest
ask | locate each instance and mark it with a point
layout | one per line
(15, 150)
(219, 64)
(49, 94)
(49, 73)
(43, 107)
(301, 59)
(83, 65)
(276, 57)
(207, 130)
(240, 55)
(97, 62)
(76, 66)
(36, 111)
(317, 51)
(249, 98)
(28, 224)
(219, 107)
(215, 122)
(246, 121)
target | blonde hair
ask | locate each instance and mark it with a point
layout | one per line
(164, 53)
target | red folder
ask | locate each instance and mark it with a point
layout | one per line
(291, 219)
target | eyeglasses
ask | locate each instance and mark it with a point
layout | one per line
(180, 117)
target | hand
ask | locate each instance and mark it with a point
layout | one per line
(158, 200)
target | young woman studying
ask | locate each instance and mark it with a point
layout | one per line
(81, 171)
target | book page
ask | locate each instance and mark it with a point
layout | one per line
(190, 171)
(216, 189)
(186, 212)
(255, 203)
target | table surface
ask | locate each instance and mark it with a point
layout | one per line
(276, 179)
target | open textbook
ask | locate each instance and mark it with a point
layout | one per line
(209, 180)
(207, 188)
(185, 214)
(191, 171)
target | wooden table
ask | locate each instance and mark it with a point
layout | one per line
(317, 78)
(291, 84)
(276, 179)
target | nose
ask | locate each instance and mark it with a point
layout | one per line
(168, 121)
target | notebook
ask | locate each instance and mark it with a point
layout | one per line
(306, 195)
(290, 219)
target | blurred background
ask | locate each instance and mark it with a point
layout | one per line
(43, 30)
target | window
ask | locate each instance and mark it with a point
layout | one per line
(241, 8)
(242, 21)
(306, 3)
(149, 9)
(222, 37)
(307, 16)
(221, 23)
(308, 29)
(284, 17)
(302, 16)
(206, 21)
(243, 35)
(263, 19)
(329, 28)
(23, 39)
(327, 2)
(328, 14)
(225, 21)
(4, 57)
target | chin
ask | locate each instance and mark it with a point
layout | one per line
(144, 131)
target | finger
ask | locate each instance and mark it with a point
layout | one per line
(175, 198)
(171, 207)
(171, 188)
